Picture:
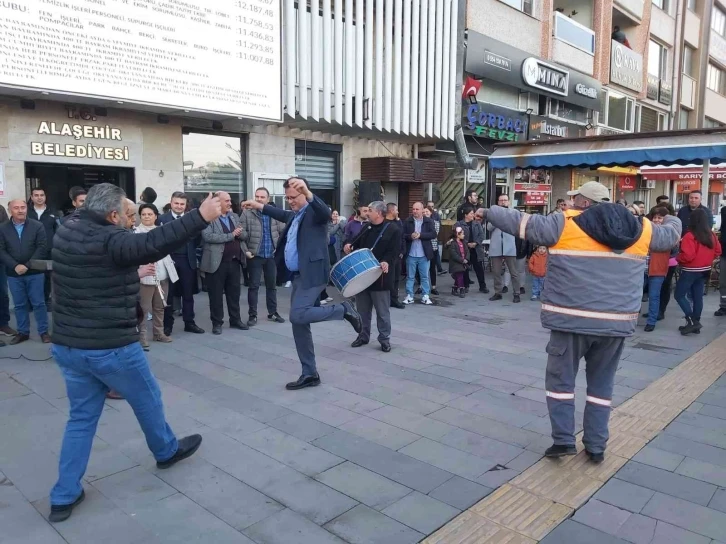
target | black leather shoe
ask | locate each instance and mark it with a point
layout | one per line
(167, 332)
(252, 321)
(385, 346)
(649, 328)
(495, 296)
(505, 289)
(720, 312)
(63, 512)
(358, 342)
(434, 291)
(522, 291)
(192, 327)
(398, 304)
(187, 447)
(304, 381)
(238, 325)
(556, 450)
(596, 458)
(517, 299)
(216, 329)
(352, 316)
(484, 290)
(646, 314)
(661, 317)
(276, 318)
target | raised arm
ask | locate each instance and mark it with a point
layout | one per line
(277, 213)
(666, 236)
(128, 249)
(320, 210)
(542, 230)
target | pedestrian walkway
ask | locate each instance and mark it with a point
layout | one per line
(388, 449)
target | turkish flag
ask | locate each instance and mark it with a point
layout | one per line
(471, 87)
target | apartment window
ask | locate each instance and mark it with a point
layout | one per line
(569, 112)
(213, 162)
(657, 60)
(617, 111)
(691, 5)
(716, 79)
(688, 67)
(683, 118)
(718, 21)
(711, 123)
(662, 4)
(525, 6)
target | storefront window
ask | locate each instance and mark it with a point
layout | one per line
(213, 162)
(569, 112)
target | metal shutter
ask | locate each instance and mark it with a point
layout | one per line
(648, 120)
(319, 170)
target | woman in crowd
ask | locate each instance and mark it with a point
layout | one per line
(152, 287)
(657, 271)
(699, 248)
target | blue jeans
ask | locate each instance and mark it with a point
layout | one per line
(537, 286)
(29, 287)
(89, 374)
(654, 285)
(690, 283)
(5, 300)
(422, 265)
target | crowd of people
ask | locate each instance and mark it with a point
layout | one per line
(138, 260)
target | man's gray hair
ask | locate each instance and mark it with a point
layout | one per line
(378, 206)
(105, 198)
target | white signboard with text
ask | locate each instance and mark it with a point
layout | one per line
(222, 57)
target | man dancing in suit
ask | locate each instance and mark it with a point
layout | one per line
(303, 249)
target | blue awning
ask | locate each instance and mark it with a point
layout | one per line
(653, 149)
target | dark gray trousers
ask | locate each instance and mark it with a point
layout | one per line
(602, 355)
(381, 301)
(257, 266)
(305, 309)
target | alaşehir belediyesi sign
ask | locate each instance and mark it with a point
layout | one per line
(81, 150)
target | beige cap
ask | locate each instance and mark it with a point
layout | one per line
(594, 190)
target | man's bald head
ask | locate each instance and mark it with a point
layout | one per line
(18, 210)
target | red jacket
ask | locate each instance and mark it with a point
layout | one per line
(695, 257)
(659, 263)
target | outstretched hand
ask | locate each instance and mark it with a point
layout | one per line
(211, 208)
(252, 205)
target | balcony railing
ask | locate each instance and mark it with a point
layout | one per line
(573, 33)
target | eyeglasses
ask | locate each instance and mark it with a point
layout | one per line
(289, 198)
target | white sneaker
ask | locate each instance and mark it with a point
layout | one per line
(149, 317)
(408, 299)
(426, 300)
(323, 302)
(288, 284)
(329, 299)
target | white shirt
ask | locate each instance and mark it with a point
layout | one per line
(40, 212)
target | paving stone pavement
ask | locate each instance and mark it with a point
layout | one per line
(388, 449)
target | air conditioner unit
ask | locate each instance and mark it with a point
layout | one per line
(647, 184)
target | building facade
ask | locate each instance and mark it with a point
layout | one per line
(232, 98)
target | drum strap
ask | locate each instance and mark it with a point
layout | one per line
(380, 235)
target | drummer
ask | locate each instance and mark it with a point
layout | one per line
(383, 238)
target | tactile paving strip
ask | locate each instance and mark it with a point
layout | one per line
(546, 494)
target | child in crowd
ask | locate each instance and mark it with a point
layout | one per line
(458, 260)
(538, 269)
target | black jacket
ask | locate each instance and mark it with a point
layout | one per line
(386, 249)
(15, 251)
(96, 278)
(192, 245)
(428, 233)
(684, 214)
(50, 221)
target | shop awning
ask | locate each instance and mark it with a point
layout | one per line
(653, 149)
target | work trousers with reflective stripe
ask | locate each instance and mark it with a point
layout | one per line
(602, 355)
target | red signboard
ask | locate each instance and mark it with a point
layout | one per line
(537, 187)
(627, 183)
(536, 198)
(716, 173)
(688, 185)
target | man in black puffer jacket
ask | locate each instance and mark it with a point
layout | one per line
(95, 335)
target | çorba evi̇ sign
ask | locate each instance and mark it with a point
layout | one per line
(80, 151)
